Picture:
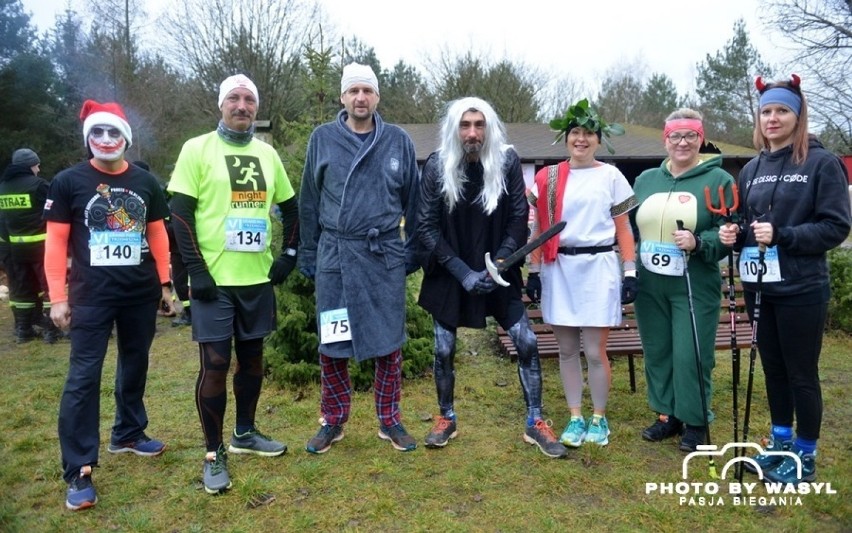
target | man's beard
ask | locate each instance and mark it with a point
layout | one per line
(472, 148)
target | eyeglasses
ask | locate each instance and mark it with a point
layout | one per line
(675, 137)
(99, 131)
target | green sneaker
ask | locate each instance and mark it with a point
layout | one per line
(253, 441)
(574, 433)
(767, 462)
(216, 478)
(598, 432)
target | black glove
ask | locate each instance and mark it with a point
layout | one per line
(533, 287)
(411, 268)
(309, 271)
(484, 284)
(281, 268)
(202, 286)
(629, 289)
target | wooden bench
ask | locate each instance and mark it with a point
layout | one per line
(624, 339)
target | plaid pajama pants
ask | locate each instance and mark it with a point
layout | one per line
(337, 390)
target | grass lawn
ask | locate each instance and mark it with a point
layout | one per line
(487, 479)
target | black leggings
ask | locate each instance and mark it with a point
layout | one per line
(211, 388)
(789, 338)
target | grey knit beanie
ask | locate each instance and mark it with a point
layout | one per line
(25, 157)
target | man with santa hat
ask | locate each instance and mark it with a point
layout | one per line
(107, 215)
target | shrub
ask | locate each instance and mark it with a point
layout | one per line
(291, 351)
(840, 305)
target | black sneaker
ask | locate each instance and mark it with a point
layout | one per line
(184, 319)
(692, 437)
(216, 478)
(541, 434)
(81, 491)
(398, 437)
(441, 433)
(325, 437)
(665, 427)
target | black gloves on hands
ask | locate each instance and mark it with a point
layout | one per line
(202, 286)
(533, 287)
(472, 281)
(484, 284)
(629, 289)
(478, 282)
(281, 268)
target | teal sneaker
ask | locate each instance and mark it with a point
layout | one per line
(786, 472)
(598, 431)
(769, 462)
(574, 433)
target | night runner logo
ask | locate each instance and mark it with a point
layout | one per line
(731, 492)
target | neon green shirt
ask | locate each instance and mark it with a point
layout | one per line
(236, 186)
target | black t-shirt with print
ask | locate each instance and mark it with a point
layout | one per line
(111, 263)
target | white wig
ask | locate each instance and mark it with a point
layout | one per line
(492, 155)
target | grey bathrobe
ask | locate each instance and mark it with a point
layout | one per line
(354, 195)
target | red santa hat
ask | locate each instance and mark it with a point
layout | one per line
(107, 114)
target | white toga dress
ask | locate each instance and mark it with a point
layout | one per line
(585, 290)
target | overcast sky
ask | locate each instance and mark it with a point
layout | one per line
(584, 39)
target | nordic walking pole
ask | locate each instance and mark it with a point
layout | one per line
(727, 213)
(698, 367)
(752, 355)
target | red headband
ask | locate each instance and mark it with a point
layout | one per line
(684, 124)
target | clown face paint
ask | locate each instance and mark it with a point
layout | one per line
(106, 142)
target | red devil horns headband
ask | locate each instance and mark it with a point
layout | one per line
(795, 82)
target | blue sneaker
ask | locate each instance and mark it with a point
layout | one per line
(598, 431)
(398, 437)
(81, 491)
(769, 462)
(574, 433)
(325, 437)
(143, 446)
(786, 472)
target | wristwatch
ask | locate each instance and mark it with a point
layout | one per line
(290, 251)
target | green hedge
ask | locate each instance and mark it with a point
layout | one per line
(840, 305)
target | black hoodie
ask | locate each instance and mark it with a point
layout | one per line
(808, 206)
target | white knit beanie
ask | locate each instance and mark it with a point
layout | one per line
(235, 82)
(354, 73)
